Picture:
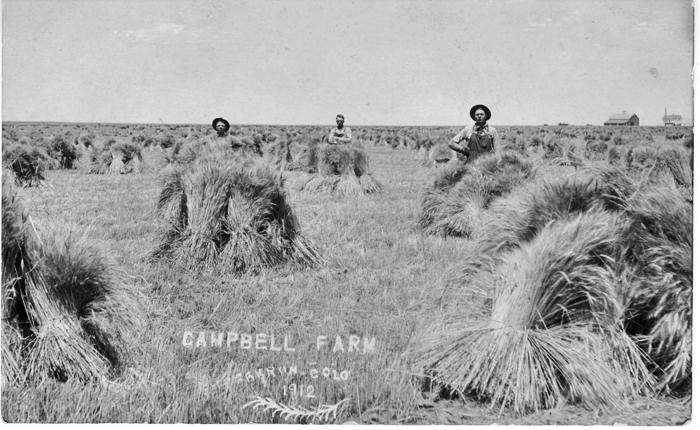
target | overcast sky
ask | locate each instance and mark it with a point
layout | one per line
(376, 61)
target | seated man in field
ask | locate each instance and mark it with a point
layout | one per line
(481, 138)
(340, 134)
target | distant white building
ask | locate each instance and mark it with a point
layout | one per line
(672, 119)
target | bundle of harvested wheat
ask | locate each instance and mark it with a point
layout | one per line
(596, 150)
(304, 154)
(614, 155)
(659, 249)
(278, 153)
(553, 333)
(433, 198)
(677, 161)
(553, 146)
(66, 309)
(234, 215)
(519, 216)
(126, 158)
(656, 160)
(228, 147)
(26, 162)
(640, 157)
(185, 151)
(440, 154)
(599, 239)
(16, 262)
(63, 152)
(111, 156)
(422, 154)
(454, 203)
(335, 168)
(85, 140)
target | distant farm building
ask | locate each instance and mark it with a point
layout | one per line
(623, 118)
(672, 119)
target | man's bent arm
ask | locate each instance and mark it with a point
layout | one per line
(331, 138)
(348, 136)
(453, 146)
(454, 143)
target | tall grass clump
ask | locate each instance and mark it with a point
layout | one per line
(455, 202)
(232, 215)
(343, 169)
(66, 309)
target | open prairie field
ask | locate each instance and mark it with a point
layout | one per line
(373, 323)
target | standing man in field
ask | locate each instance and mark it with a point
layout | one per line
(221, 126)
(480, 138)
(245, 145)
(340, 134)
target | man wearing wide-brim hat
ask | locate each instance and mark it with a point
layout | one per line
(221, 126)
(224, 139)
(481, 138)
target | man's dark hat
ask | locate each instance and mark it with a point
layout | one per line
(213, 123)
(474, 108)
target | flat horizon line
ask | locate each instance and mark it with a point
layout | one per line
(322, 125)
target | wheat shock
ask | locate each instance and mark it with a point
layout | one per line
(335, 344)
